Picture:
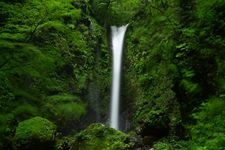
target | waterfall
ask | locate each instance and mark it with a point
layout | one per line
(118, 34)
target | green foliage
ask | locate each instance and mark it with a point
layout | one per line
(5, 128)
(28, 56)
(115, 12)
(64, 143)
(6, 95)
(5, 118)
(208, 132)
(49, 48)
(62, 98)
(71, 110)
(64, 108)
(25, 111)
(151, 69)
(174, 62)
(190, 87)
(98, 136)
(12, 36)
(174, 144)
(208, 10)
(53, 26)
(162, 146)
(198, 52)
(34, 13)
(34, 131)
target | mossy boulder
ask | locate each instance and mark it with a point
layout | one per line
(35, 133)
(101, 137)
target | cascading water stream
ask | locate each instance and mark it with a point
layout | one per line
(118, 34)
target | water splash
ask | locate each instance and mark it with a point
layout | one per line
(118, 34)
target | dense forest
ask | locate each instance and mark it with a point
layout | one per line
(56, 73)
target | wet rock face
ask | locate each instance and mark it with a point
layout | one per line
(155, 131)
(142, 143)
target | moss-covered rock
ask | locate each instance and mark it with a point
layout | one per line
(101, 137)
(35, 133)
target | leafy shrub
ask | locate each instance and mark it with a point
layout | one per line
(162, 146)
(208, 133)
(66, 143)
(25, 111)
(64, 108)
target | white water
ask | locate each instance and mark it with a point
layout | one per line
(118, 34)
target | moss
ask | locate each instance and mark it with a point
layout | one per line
(99, 136)
(35, 133)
